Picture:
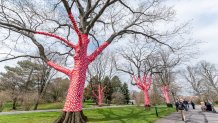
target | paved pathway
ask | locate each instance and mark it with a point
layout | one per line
(192, 116)
(55, 110)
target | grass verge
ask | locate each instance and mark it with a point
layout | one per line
(109, 115)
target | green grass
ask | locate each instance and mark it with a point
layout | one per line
(56, 105)
(46, 106)
(112, 115)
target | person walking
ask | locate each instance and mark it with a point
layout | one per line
(193, 104)
(185, 102)
(181, 108)
(177, 104)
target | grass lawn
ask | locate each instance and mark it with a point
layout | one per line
(45, 106)
(110, 115)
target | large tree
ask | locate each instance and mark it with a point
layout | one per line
(144, 84)
(209, 74)
(166, 63)
(136, 57)
(191, 75)
(113, 18)
(203, 79)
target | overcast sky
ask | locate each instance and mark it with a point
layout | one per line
(203, 16)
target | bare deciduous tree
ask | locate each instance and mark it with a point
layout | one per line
(209, 74)
(192, 76)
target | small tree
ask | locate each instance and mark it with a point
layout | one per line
(108, 91)
(87, 92)
(116, 84)
(118, 98)
(125, 92)
(57, 89)
(12, 83)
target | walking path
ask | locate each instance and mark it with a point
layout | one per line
(55, 110)
(192, 116)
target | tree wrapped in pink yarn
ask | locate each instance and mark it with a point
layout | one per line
(100, 94)
(144, 84)
(165, 90)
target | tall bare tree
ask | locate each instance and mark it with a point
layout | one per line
(192, 76)
(135, 62)
(166, 62)
(42, 80)
(209, 74)
(30, 20)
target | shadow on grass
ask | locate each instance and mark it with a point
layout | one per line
(125, 115)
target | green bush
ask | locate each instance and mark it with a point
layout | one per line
(216, 102)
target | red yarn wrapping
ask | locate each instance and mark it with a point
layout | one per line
(144, 85)
(165, 90)
(59, 68)
(100, 94)
(70, 15)
(98, 51)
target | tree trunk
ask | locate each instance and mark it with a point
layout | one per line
(165, 90)
(73, 105)
(72, 117)
(100, 95)
(36, 104)
(174, 99)
(167, 97)
(40, 95)
(146, 98)
(14, 104)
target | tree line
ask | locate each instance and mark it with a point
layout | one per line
(115, 91)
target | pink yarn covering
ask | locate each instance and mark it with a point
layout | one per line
(81, 61)
(100, 94)
(144, 85)
(165, 90)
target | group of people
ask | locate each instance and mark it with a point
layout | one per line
(183, 105)
(207, 106)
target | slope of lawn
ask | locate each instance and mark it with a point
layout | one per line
(109, 115)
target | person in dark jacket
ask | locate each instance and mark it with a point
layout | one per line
(193, 105)
(177, 104)
(185, 102)
(208, 106)
(182, 107)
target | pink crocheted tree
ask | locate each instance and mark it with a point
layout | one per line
(165, 90)
(77, 75)
(144, 84)
(100, 94)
